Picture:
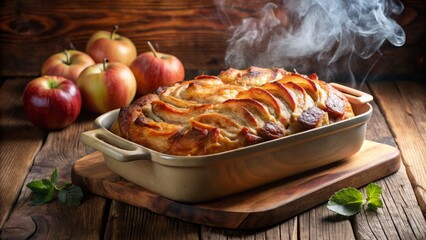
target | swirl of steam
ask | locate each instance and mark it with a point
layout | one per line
(315, 33)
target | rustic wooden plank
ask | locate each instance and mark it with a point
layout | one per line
(322, 222)
(195, 31)
(377, 128)
(415, 97)
(404, 107)
(128, 222)
(55, 220)
(284, 231)
(19, 143)
(401, 217)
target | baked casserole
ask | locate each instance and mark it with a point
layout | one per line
(237, 108)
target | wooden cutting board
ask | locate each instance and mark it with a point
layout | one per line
(260, 207)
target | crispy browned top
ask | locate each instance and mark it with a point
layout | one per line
(238, 108)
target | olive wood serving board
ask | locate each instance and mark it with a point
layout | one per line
(256, 208)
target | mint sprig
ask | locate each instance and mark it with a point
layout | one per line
(349, 201)
(45, 190)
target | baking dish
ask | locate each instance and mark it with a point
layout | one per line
(194, 179)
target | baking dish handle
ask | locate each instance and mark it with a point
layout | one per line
(354, 96)
(114, 146)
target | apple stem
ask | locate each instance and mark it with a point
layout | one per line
(105, 62)
(114, 30)
(152, 49)
(52, 84)
(67, 57)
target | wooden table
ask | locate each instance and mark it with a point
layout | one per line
(27, 153)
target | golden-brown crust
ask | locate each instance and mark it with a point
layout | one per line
(128, 115)
(240, 107)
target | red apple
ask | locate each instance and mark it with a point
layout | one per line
(68, 64)
(106, 86)
(52, 102)
(154, 69)
(110, 45)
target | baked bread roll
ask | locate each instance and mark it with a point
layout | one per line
(237, 108)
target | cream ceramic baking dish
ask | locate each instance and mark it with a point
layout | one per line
(202, 178)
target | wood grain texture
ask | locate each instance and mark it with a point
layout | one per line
(19, 143)
(257, 208)
(283, 231)
(400, 103)
(195, 31)
(320, 221)
(143, 224)
(399, 199)
(190, 30)
(54, 220)
(400, 218)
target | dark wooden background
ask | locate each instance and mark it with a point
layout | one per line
(30, 31)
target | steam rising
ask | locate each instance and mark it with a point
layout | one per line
(313, 35)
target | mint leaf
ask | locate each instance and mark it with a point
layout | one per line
(373, 196)
(41, 197)
(54, 177)
(346, 202)
(46, 190)
(373, 191)
(39, 185)
(71, 195)
(62, 196)
(375, 204)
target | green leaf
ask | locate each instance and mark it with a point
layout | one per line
(375, 204)
(54, 177)
(39, 185)
(71, 195)
(62, 196)
(373, 191)
(346, 202)
(373, 196)
(41, 197)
